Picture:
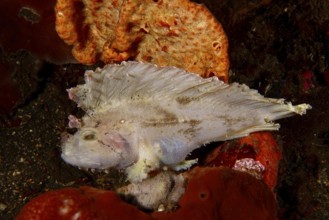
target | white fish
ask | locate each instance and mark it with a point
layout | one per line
(140, 117)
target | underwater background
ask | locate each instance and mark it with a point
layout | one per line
(280, 48)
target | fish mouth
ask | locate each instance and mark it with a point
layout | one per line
(65, 138)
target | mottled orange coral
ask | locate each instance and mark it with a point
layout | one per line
(168, 33)
(87, 25)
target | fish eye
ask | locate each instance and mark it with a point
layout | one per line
(89, 135)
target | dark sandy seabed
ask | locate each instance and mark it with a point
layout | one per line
(280, 48)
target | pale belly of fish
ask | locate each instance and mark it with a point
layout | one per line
(140, 117)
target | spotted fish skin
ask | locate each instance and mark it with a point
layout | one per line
(140, 117)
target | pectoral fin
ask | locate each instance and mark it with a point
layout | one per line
(184, 165)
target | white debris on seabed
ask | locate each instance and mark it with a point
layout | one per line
(160, 193)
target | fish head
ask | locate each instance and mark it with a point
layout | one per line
(92, 147)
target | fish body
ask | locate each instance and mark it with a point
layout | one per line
(140, 117)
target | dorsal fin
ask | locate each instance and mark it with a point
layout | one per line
(133, 81)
